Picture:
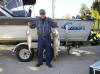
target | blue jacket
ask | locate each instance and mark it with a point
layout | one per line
(43, 28)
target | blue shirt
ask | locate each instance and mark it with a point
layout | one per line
(43, 28)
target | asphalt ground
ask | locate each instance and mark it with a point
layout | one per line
(64, 64)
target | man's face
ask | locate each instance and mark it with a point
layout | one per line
(42, 15)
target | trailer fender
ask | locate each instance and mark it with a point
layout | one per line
(20, 44)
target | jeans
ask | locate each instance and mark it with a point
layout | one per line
(44, 42)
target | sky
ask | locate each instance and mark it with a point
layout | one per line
(62, 7)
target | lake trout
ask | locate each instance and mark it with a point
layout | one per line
(29, 40)
(56, 42)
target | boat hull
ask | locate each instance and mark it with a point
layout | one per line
(14, 30)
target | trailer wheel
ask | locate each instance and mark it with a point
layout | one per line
(23, 53)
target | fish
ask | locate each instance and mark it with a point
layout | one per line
(29, 39)
(81, 52)
(56, 42)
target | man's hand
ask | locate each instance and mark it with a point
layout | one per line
(54, 24)
(29, 24)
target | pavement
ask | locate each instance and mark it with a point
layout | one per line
(64, 64)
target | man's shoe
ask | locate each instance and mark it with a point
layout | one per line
(49, 65)
(38, 65)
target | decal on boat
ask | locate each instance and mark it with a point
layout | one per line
(71, 26)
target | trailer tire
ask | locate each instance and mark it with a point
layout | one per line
(23, 53)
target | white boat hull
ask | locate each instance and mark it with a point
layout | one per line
(14, 30)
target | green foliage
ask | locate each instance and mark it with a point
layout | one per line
(2, 2)
(83, 10)
(78, 17)
(96, 5)
(95, 12)
(83, 16)
(96, 15)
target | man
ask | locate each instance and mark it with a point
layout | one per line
(44, 25)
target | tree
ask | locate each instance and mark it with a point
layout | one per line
(78, 17)
(95, 14)
(96, 5)
(83, 11)
(2, 2)
(68, 16)
(73, 17)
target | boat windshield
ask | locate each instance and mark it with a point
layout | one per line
(8, 11)
(11, 4)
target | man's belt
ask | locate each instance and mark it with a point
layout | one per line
(44, 35)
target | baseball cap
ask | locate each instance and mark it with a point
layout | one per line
(42, 11)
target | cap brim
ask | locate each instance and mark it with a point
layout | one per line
(42, 13)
